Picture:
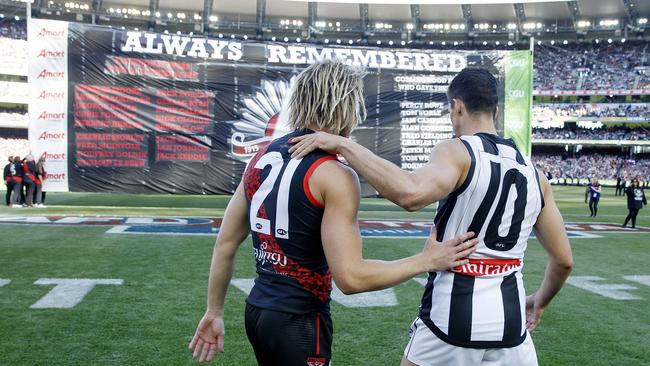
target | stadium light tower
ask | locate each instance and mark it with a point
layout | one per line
(576, 15)
(154, 6)
(312, 15)
(364, 19)
(520, 12)
(415, 20)
(96, 7)
(207, 13)
(260, 14)
(630, 11)
(467, 15)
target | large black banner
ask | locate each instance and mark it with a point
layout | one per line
(162, 113)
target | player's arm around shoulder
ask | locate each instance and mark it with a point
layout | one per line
(446, 170)
(551, 233)
(337, 187)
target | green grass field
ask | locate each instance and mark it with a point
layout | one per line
(150, 319)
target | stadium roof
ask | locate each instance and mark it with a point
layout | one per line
(388, 10)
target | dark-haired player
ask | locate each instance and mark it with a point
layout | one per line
(475, 314)
(302, 215)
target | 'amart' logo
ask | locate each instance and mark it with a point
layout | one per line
(44, 32)
(51, 95)
(47, 74)
(52, 177)
(49, 116)
(46, 136)
(45, 53)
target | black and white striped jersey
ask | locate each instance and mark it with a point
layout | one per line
(482, 304)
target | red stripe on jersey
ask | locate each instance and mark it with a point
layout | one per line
(305, 182)
(487, 267)
(317, 334)
(252, 176)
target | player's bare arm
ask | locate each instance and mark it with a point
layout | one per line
(337, 186)
(209, 336)
(551, 233)
(445, 171)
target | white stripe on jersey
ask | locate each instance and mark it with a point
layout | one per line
(487, 325)
(500, 201)
(440, 307)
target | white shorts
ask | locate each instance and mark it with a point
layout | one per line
(426, 349)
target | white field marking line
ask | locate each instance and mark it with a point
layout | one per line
(155, 233)
(421, 280)
(69, 292)
(599, 215)
(381, 298)
(643, 280)
(593, 284)
(62, 221)
(4, 282)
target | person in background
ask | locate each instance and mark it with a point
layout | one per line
(29, 180)
(6, 176)
(635, 201)
(39, 195)
(618, 185)
(16, 170)
(623, 184)
(593, 190)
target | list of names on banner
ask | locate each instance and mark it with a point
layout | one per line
(108, 106)
(127, 150)
(110, 132)
(188, 112)
(422, 127)
(181, 148)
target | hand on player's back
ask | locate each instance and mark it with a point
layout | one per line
(319, 140)
(451, 253)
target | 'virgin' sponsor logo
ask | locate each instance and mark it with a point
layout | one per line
(263, 256)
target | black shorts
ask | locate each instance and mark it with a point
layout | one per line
(283, 339)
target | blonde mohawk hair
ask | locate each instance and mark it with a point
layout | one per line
(328, 95)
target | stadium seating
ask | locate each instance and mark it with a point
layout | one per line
(592, 165)
(589, 66)
(607, 133)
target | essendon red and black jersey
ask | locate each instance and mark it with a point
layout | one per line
(285, 223)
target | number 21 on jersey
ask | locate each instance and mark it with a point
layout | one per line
(277, 163)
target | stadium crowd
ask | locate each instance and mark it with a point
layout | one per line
(548, 111)
(13, 117)
(13, 56)
(591, 66)
(605, 133)
(571, 170)
(10, 28)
